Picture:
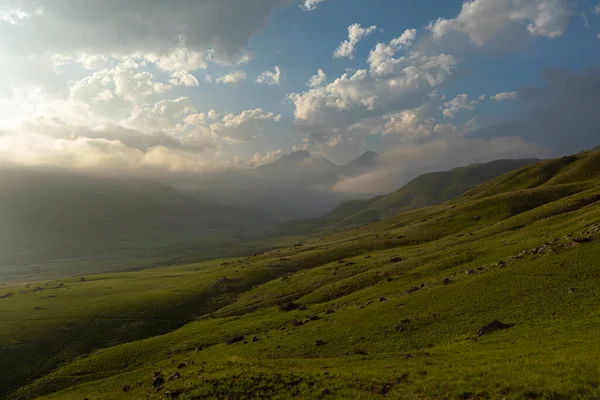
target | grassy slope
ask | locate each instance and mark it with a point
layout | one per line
(551, 352)
(426, 190)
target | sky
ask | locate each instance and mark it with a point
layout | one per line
(197, 86)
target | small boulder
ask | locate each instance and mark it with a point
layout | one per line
(295, 322)
(320, 342)
(412, 290)
(288, 306)
(235, 339)
(325, 392)
(382, 299)
(401, 328)
(255, 339)
(396, 259)
(447, 281)
(182, 365)
(571, 290)
(493, 327)
(470, 271)
(477, 218)
(126, 388)
(158, 381)
(302, 308)
(330, 311)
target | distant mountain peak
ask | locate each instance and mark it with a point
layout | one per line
(297, 156)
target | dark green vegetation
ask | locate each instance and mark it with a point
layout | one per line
(392, 309)
(424, 191)
(68, 219)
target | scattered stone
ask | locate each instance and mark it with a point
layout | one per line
(235, 339)
(408, 356)
(182, 365)
(174, 376)
(82, 279)
(382, 299)
(295, 322)
(569, 159)
(396, 259)
(493, 327)
(158, 382)
(37, 308)
(571, 290)
(367, 257)
(302, 308)
(288, 306)
(320, 343)
(447, 281)
(126, 388)
(480, 268)
(156, 374)
(412, 290)
(199, 348)
(422, 285)
(7, 295)
(313, 317)
(501, 264)
(255, 339)
(470, 271)
(349, 264)
(356, 353)
(477, 218)
(401, 328)
(585, 239)
(325, 392)
(330, 311)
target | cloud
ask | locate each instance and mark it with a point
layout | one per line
(505, 96)
(400, 164)
(562, 115)
(459, 103)
(260, 159)
(482, 20)
(318, 79)
(233, 78)
(164, 115)
(270, 78)
(355, 34)
(125, 27)
(243, 127)
(309, 5)
(596, 9)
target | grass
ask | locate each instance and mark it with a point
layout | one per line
(526, 257)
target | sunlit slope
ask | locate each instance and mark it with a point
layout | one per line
(388, 310)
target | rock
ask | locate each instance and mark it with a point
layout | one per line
(330, 311)
(302, 308)
(401, 328)
(477, 218)
(158, 382)
(501, 264)
(470, 271)
(313, 317)
(235, 339)
(288, 306)
(325, 392)
(156, 374)
(571, 290)
(447, 281)
(320, 343)
(493, 327)
(199, 348)
(182, 365)
(396, 259)
(7, 295)
(37, 308)
(367, 257)
(411, 290)
(569, 159)
(295, 322)
(126, 388)
(381, 299)
(255, 339)
(174, 376)
(349, 264)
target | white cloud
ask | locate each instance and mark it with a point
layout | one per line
(318, 79)
(242, 127)
(309, 5)
(164, 115)
(233, 78)
(481, 20)
(381, 59)
(505, 96)
(270, 78)
(260, 159)
(596, 9)
(459, 103)
(183, 78)
(355, 34)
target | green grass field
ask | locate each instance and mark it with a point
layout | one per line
(388, 310)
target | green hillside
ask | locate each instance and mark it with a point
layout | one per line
(426, 190)
(492, 295)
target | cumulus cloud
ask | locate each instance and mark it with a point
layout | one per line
(309, 5)
(504, 96)
(318, 79)
(239, 128)
(270, 78)
(400, 164)
(596, 9)
(482, 20)
(459, 103)
(233, 78)
(260, 159)
(355, 34)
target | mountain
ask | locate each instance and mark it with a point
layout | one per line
(426, 190)
(492, 295)
(69, 214)
(297, 185)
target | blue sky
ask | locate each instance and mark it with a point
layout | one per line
(138, 86)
